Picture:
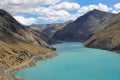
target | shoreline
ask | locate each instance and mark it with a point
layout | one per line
(31, 62)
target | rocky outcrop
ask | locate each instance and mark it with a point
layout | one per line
(109, 38)
(84, 27)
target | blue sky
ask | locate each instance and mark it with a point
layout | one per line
(29, 12)
(88, 2)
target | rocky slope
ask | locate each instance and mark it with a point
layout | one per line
(84, 27)
(109, 38)
(18, 43)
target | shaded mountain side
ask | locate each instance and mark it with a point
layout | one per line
(84, 27)
(18, 43)
(53, 28)
(48, 30)
(109, 38)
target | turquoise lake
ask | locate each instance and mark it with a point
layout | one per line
(75, 62)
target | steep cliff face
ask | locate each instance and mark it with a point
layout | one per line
(109, 38)
(84, 27)
(18, 43)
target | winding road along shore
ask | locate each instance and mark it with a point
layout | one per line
(8, 73)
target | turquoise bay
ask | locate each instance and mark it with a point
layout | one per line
(75, 62)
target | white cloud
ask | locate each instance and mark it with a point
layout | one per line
(116, 8)
(66, 6)
(48, 14)
(88, 8)
(14, 2)
(52, 12)
(56, 10)
(115, 11)
(103, 7)
(50, 1)
(25, 21)
(24, 6)
(31, 2)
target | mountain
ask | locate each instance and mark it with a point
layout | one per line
(50, 29)
(12, 27)
(39, 27)
(19, 43)
(84, 27)
(53, 28)
(109, 38)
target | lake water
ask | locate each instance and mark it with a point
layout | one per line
(75, 62)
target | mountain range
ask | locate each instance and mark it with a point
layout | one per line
(49, 30)
(83, 27)
(97, 29)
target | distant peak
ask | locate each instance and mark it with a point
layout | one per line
(3, 12)
(96, 10)
(100, 11)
